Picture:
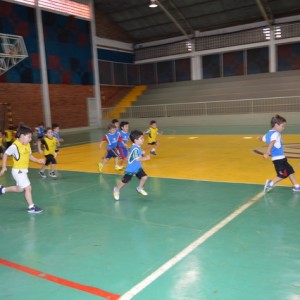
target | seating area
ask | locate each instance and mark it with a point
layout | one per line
(110, 95)
(267, 85)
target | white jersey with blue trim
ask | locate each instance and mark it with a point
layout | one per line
(277, 151)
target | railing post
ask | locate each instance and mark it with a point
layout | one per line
(165, 110)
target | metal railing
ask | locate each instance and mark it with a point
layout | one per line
(227, 107)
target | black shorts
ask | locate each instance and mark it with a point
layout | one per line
(50, 159)
(127, 176)
(283, 168)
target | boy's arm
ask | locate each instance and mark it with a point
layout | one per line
(268, 152)
(4, 160)
(103, 141)
(36, 160)
(143, 158)
(39, 146)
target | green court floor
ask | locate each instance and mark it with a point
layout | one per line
(187, 240)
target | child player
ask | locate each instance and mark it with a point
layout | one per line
(152, 133)
(56, 134)
(122, 147)
(112, 138)
(134, 165)
(49, 145)
(20, 150)
(275, 150)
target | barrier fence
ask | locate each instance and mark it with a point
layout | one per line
(226, 107)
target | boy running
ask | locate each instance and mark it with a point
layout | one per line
(134, 165)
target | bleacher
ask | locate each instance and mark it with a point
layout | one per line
(267, 85)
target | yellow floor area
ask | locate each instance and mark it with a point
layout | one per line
(226, 158)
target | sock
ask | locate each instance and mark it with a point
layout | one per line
(31, 206)
(297, 186)
(271, 183)
(3, 190)
(153, 150)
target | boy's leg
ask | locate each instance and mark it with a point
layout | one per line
(154, 147)
(116, 192)
(42, 171)
(101, 165)
(140, 188)
(28, 195)
(296, 187)
(13, 188)
(142, 182)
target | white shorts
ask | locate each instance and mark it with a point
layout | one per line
(21, 177)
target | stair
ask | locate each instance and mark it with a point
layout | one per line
(127, 101)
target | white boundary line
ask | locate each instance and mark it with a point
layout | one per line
(181, 255)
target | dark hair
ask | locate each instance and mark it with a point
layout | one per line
(277, 119)
(54, 126)
(115, 121)
(23, 129)
(135, 134)
(123, 123)
(47, 129)
(152, 122)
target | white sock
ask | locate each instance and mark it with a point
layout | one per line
(31, 206)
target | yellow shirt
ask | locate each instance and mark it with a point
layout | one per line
(152, 134)
(21, 154)
(49, 145)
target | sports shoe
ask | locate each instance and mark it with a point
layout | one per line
(34, 210)
(42, 174)
(116, 194)
(268, 186)
(100, 166)
(52, 174)
(118, 167)
(1, 190)
(296, 189)
(153, 152)
(141, 191)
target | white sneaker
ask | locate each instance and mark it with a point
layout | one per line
(268, 187)
(52, 174)
(141, 191)
(116, 194)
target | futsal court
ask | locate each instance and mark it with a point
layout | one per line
(205, 231)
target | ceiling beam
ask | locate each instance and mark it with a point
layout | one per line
(266, 12)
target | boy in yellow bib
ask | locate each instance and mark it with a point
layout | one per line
(20, 150)
(152, 132)
(49, 144)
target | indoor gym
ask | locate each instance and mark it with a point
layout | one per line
(205, 231)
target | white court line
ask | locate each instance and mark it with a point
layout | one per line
(178, 257)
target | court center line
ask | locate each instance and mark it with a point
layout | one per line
(181, 255)
(61, 281)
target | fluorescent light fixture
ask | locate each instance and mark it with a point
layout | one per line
(277, 31)
(152, 4)
(267, 33)
(189, 46)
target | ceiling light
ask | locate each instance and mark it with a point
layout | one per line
(152, 4)
(189, 46)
